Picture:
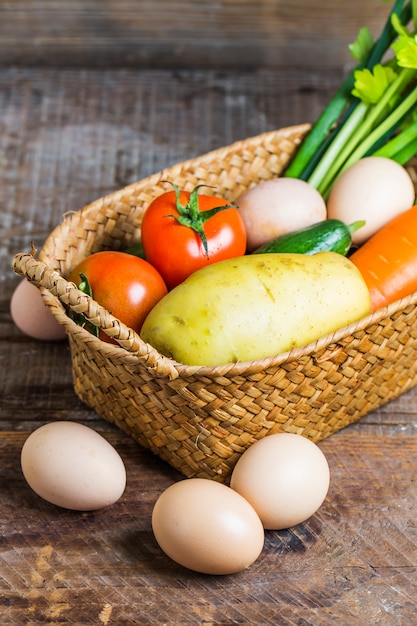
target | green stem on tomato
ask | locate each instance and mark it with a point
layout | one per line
(191, 216)
(79, 318)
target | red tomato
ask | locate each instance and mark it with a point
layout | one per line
(127, 286)
(183, 231)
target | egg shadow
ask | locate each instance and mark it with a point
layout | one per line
(296, 539)
(140, 549)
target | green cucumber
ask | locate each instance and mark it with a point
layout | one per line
(330, 235)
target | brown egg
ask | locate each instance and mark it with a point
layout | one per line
(32, 316)
(72, 466)
(374, 189)
(207, 527)
(285, 477)
(279, 206)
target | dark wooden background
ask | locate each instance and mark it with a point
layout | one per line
(181, 33)
(94, 95)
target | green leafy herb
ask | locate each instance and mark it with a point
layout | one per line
(79, 318)
(361, 48)
(370, 85)
(373, 110)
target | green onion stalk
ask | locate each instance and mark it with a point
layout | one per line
(374, 111)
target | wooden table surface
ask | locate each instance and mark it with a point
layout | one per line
(68, 136)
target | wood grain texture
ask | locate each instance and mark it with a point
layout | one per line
(184, 33)
(67, 136)
(350, 563)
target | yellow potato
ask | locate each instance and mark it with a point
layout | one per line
(256, 306)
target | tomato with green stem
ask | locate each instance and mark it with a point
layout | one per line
(125, 285)
(183, 231)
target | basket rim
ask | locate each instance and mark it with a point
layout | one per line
(258, 365)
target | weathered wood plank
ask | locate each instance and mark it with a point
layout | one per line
(184, 33)
(353, 562)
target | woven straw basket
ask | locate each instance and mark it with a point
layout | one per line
(201, 419)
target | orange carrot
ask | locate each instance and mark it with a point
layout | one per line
(388, 260)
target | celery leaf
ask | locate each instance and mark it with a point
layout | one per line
(371, 85)
(405, 49)
(360, 48)
(400, 28)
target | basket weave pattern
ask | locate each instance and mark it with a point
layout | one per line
(201, 419)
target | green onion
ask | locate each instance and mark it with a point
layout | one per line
(372, 111)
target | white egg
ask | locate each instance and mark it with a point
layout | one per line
(32, 316)
(278, 206)
(374, 189)
(285, 477)
(72, 466)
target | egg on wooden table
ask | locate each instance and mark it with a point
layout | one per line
(32, 316)
(72, 466)
(374, 189)
(285, 477)
(207, 527)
